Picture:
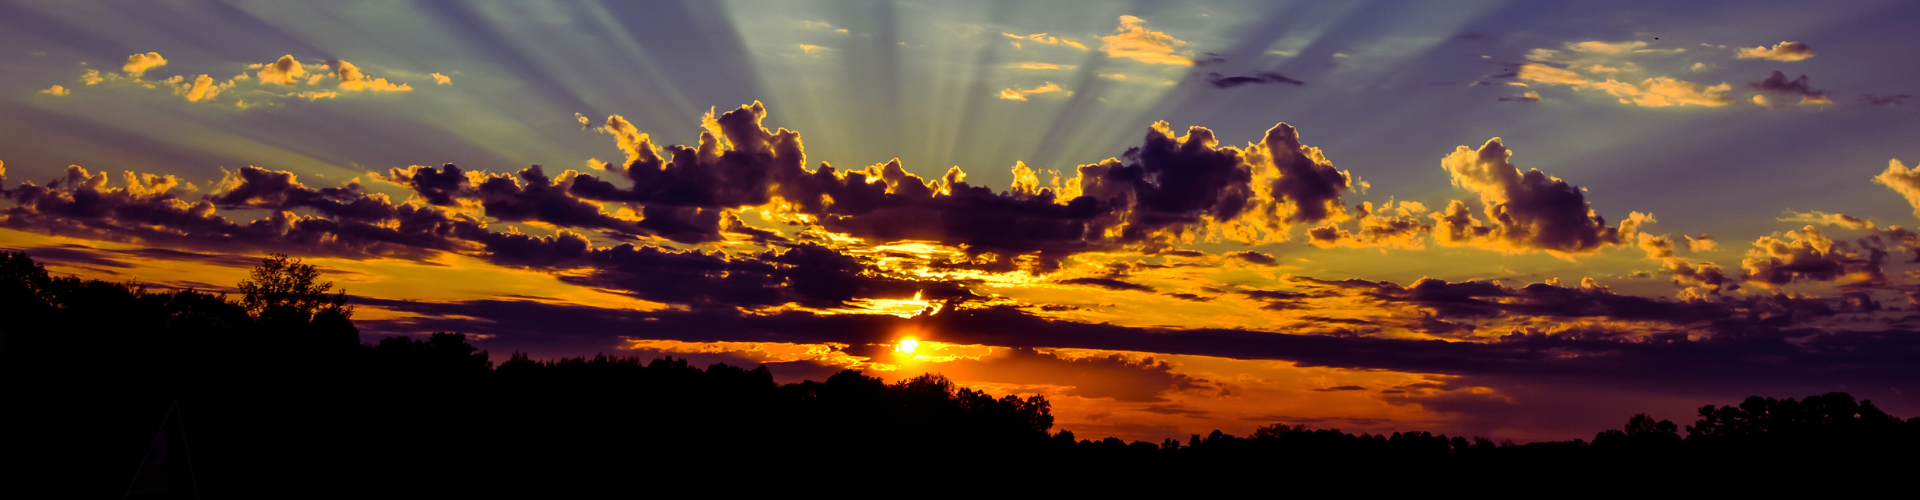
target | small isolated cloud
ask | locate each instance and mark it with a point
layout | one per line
(138, 64)
(1263, 77)
(441, 79)
(1889, 101)
(1779, 85)
(1783, 51)
(1043, 38)
(1134, 41)
(56, 90)
(813, 49)
(1617, 48)
(1020, 94)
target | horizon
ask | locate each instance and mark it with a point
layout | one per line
(1525, 223)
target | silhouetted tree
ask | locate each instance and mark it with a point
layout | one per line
(285, 289)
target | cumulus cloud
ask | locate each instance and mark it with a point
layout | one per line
(1171, 190)
(441, 79)
(1783, 51)
(285, 71)
(149, 209)
(1525, 211)
(138, 64)
(1020, 94)
(1779, 85)
(1903, 180)
(351, 79)
(55, 90)
(281, 79)
(1392, 225)
(1132, 40)
(1808, 255)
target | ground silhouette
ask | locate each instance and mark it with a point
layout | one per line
(275, 397)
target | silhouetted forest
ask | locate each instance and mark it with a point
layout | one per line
(272, 395)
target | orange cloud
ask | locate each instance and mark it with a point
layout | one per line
(1020, 94)
(138, 64)
(1783, 51)
(285, 71)
(1903, 180)
(441, 79)
(1134, 41)
(351, 79)
(55, 90)
(1045, 39)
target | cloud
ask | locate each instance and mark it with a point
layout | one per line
(1783, 51)
(1598, 59)
(441, 79)
(204, 89)
(1525, 211)
(1664, 91)
(1253, 257)
(1777, 84)
(1112, 376)
(1132, 40)
(1109, 283)
(1541, 73)
(1808, 255)
(1392, 225)
(285, 71)
(1615, 48)
(1528, 96)
(1903, 180)
(1818, 217)
(1262, 77)
(149, 210)
(1041, 66)
(1889, 101)
(1020, 94)
(55, 90)
(138, 64)
(352, 80)
(1043, 38)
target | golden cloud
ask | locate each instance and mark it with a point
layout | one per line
(1134, 41)
(1043, 38)
(138, 64)
(1783, 51)
(1020, 94)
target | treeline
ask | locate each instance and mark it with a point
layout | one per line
(276, 397)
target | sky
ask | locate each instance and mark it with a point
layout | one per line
(1519, 220)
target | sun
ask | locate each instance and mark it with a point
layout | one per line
(906, 346)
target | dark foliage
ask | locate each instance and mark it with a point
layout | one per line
(290, 404)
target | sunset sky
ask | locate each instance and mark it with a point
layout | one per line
(1523, 220)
